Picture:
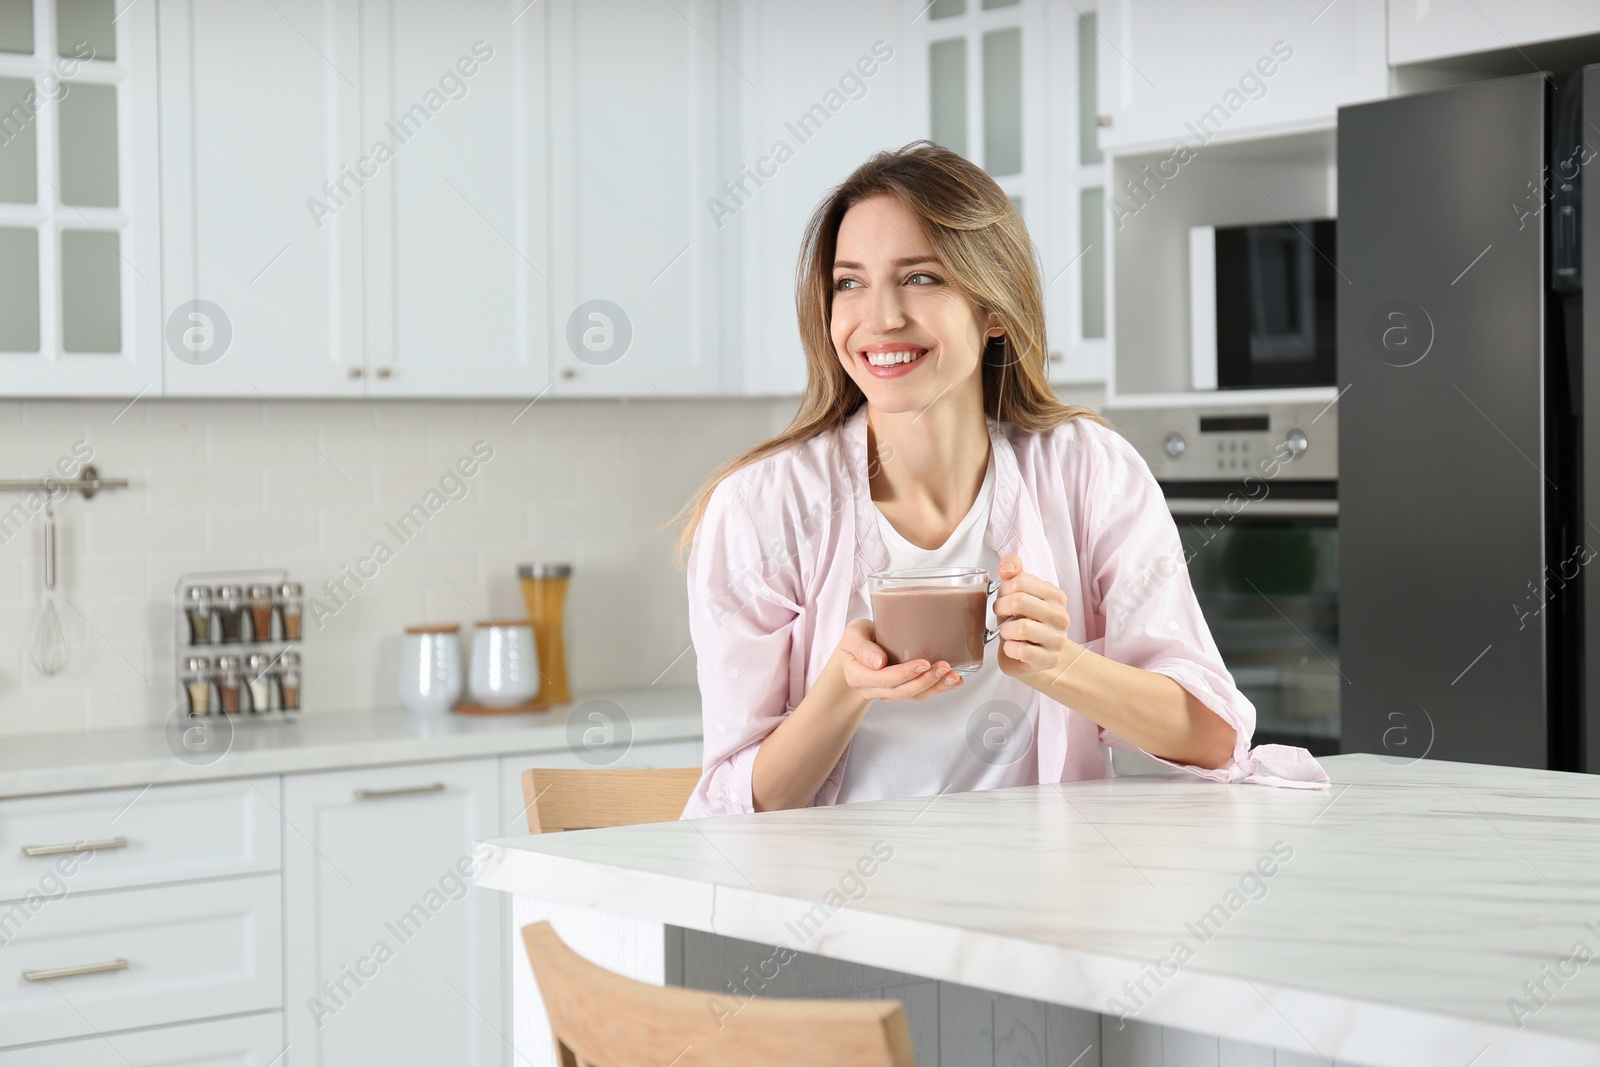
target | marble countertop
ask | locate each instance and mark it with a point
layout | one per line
(1392, 919)
(66, 762)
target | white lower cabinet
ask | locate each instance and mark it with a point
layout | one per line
(392, 957)
(153, 926)
(248, 1041)
(101, 962)
(123, 838)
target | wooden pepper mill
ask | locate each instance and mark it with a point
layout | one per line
(544, 587)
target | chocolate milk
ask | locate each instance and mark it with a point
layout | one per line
(931, 622)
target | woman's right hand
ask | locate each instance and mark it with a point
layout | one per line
(865, 671)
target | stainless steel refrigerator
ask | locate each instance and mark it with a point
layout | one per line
(1469, 476)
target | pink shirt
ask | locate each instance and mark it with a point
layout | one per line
(784, 542)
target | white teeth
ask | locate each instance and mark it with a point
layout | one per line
(890, 359)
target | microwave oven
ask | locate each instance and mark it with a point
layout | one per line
(1261, 301)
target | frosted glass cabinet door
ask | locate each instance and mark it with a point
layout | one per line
(456, 253)
(79, 201)
(261, 280)
(636, 254)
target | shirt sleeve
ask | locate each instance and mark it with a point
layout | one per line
(743, 608)
(1145, 612)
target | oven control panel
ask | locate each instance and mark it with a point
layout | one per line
(1230, 443)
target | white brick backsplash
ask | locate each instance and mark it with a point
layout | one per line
(220, 485)
(309, 485)
(122, 532)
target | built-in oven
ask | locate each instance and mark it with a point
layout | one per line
(1254, 492)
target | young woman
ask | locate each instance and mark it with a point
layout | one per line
(928, 436)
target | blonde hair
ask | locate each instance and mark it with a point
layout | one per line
(979, 236)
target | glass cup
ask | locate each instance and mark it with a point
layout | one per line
(933, 613)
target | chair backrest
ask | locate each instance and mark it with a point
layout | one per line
(587, 799)
(601, 1019)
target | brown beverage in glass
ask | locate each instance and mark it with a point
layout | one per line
(932, 614)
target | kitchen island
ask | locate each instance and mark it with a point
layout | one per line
(1417, 912)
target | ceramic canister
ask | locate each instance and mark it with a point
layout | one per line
(430, 669)
(505, 668)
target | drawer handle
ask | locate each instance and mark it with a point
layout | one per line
(81, 846)
(73, 972)
(403, 791)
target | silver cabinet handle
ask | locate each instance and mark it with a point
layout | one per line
(81, 846)
(403, 791)
(73, 972)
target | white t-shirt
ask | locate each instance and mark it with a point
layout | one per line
(979, 736)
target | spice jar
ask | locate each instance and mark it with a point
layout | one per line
(230, 679)
(197, 684)
(544, 588)
(230, 613)
(260, 613)
(289, 681)
(257, 668)
(291, 609)
(197, 609)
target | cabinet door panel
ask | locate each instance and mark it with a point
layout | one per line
(263, 206)
(1421, 30)
(391, 956)
(799, 54)
(634, 158)
(1171, 71)
(457, 290)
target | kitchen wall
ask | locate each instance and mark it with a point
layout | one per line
(309, 486)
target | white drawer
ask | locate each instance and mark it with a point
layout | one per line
(252, 1041)
(191, 952)
(164, 833)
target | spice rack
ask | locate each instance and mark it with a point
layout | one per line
(237, 643)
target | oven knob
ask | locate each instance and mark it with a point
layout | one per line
(1174, 445)
(1295, 441)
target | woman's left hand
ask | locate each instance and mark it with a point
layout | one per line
(1034, 646)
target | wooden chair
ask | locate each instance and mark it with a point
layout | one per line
(601, 1019)
(587, 799)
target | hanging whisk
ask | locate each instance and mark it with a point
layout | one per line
(49, 651)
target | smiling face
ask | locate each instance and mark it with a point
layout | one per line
(904, 333)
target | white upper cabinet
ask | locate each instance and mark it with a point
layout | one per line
(819, 88)
(635, 262)
(1174, 70)
(1420, 30)
(453, 178)
(79, 201)
(260, 106)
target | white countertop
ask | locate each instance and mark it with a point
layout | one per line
(1416, 899)
(66, 762)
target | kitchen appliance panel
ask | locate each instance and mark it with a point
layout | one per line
(1441, 368)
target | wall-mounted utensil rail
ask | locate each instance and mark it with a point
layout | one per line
(88, 482)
